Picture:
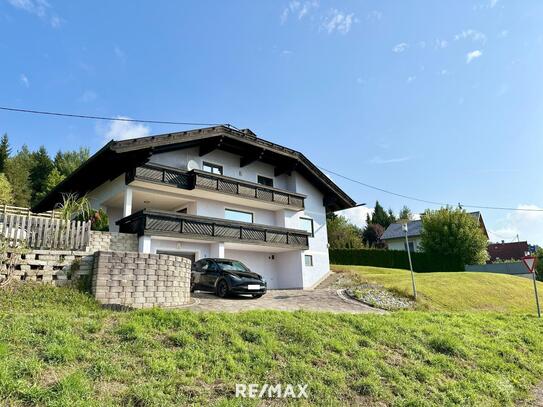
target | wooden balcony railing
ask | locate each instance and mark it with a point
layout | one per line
(196, 179)
(173, 224)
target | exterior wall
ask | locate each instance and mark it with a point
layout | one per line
(215, 209)
(141, 280)
(399, 244)
(200, 250)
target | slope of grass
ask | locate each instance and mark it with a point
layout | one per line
(58, 348)
(453, 292)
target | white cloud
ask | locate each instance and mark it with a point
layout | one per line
(39, 8)
(441, 43)
(444, 72)
(493, 3)
(374, 15)
(411, 79)
(121, 130)
(338, 21)
(88, 96)
(503, 34)
(528, 225)
(298, 8)
(470, 56)
(24, 80)
(401, 47)
(356, 216)
(380, 160)
(471, 34)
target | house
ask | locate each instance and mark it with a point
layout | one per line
(394, 236)
(507, 251)
(215, 192)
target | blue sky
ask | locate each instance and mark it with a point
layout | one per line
(438, 100)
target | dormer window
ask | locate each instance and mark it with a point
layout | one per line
(212, 168)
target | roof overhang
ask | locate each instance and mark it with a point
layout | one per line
(115, 158)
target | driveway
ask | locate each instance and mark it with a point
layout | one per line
(328, 300)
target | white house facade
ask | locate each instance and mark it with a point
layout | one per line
(215, 192)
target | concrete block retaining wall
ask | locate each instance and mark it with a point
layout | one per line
(140, 280)
(61, 266)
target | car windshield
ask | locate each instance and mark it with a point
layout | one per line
(229, 265)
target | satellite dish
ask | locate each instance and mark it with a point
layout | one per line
(192, 165)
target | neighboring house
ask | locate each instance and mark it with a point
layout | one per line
(507, 251)
(394, 235)
(215, 192)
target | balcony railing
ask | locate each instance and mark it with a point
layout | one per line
(196, 179)
(150, 222)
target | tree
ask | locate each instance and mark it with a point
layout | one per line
(372, 234)
(342, 234)
(39, 172)
(405, 213)
(6, 192)
(18, 174)
(453, 232)
(5, 151)
(382, 217)
(68, 161)
(539, 265)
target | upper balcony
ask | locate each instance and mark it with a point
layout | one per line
(172, 224)
(196, 180)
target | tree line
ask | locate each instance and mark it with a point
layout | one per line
(27, 176)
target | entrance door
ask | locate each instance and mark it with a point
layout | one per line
(186, 255)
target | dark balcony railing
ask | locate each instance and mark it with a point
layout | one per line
(214, 182)
(200, 227)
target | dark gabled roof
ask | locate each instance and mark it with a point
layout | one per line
(116, 157)
(414, 228)
(507, 251)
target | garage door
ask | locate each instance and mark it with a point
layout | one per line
(186, 255)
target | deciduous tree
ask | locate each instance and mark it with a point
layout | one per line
(342, 234)
(454, 232)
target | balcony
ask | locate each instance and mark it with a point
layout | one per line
(172, 224)
(204, 181)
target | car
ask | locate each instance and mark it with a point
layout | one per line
(225, 277)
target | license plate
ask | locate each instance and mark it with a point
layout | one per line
(253, 287)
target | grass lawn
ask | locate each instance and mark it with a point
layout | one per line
(454, 292)
(58, 348)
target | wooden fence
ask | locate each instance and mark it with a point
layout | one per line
(38, 232)
(19, 210)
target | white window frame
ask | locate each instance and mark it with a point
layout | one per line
(212, 164)
(312, 225)
(310, 256)
(265, 176)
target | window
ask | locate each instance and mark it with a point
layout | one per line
(411, 247)
(212, 168)
(265, 181)
(308, 260)
(307, 225)
(184, 210)
(238, 216)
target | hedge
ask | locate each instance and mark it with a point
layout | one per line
(422, 262)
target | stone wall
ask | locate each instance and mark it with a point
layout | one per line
(62, 266)
(113, 241)
(140, 280)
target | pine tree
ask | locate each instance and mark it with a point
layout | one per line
(39, 172)
(5, 151)
(18, 173)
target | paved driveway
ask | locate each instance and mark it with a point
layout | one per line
(282, 300)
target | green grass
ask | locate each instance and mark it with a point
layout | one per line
(58, 348)
(453, 292)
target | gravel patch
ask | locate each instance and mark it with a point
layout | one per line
(378, 297)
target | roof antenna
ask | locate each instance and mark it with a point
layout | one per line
(460, 206)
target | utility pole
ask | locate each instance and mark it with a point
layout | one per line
(405, 229)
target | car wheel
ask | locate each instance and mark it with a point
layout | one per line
(222, 289)
(256, 295)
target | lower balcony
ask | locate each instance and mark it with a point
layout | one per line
(162, 223)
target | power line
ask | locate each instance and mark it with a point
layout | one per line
(120, 119)
(502, 208)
